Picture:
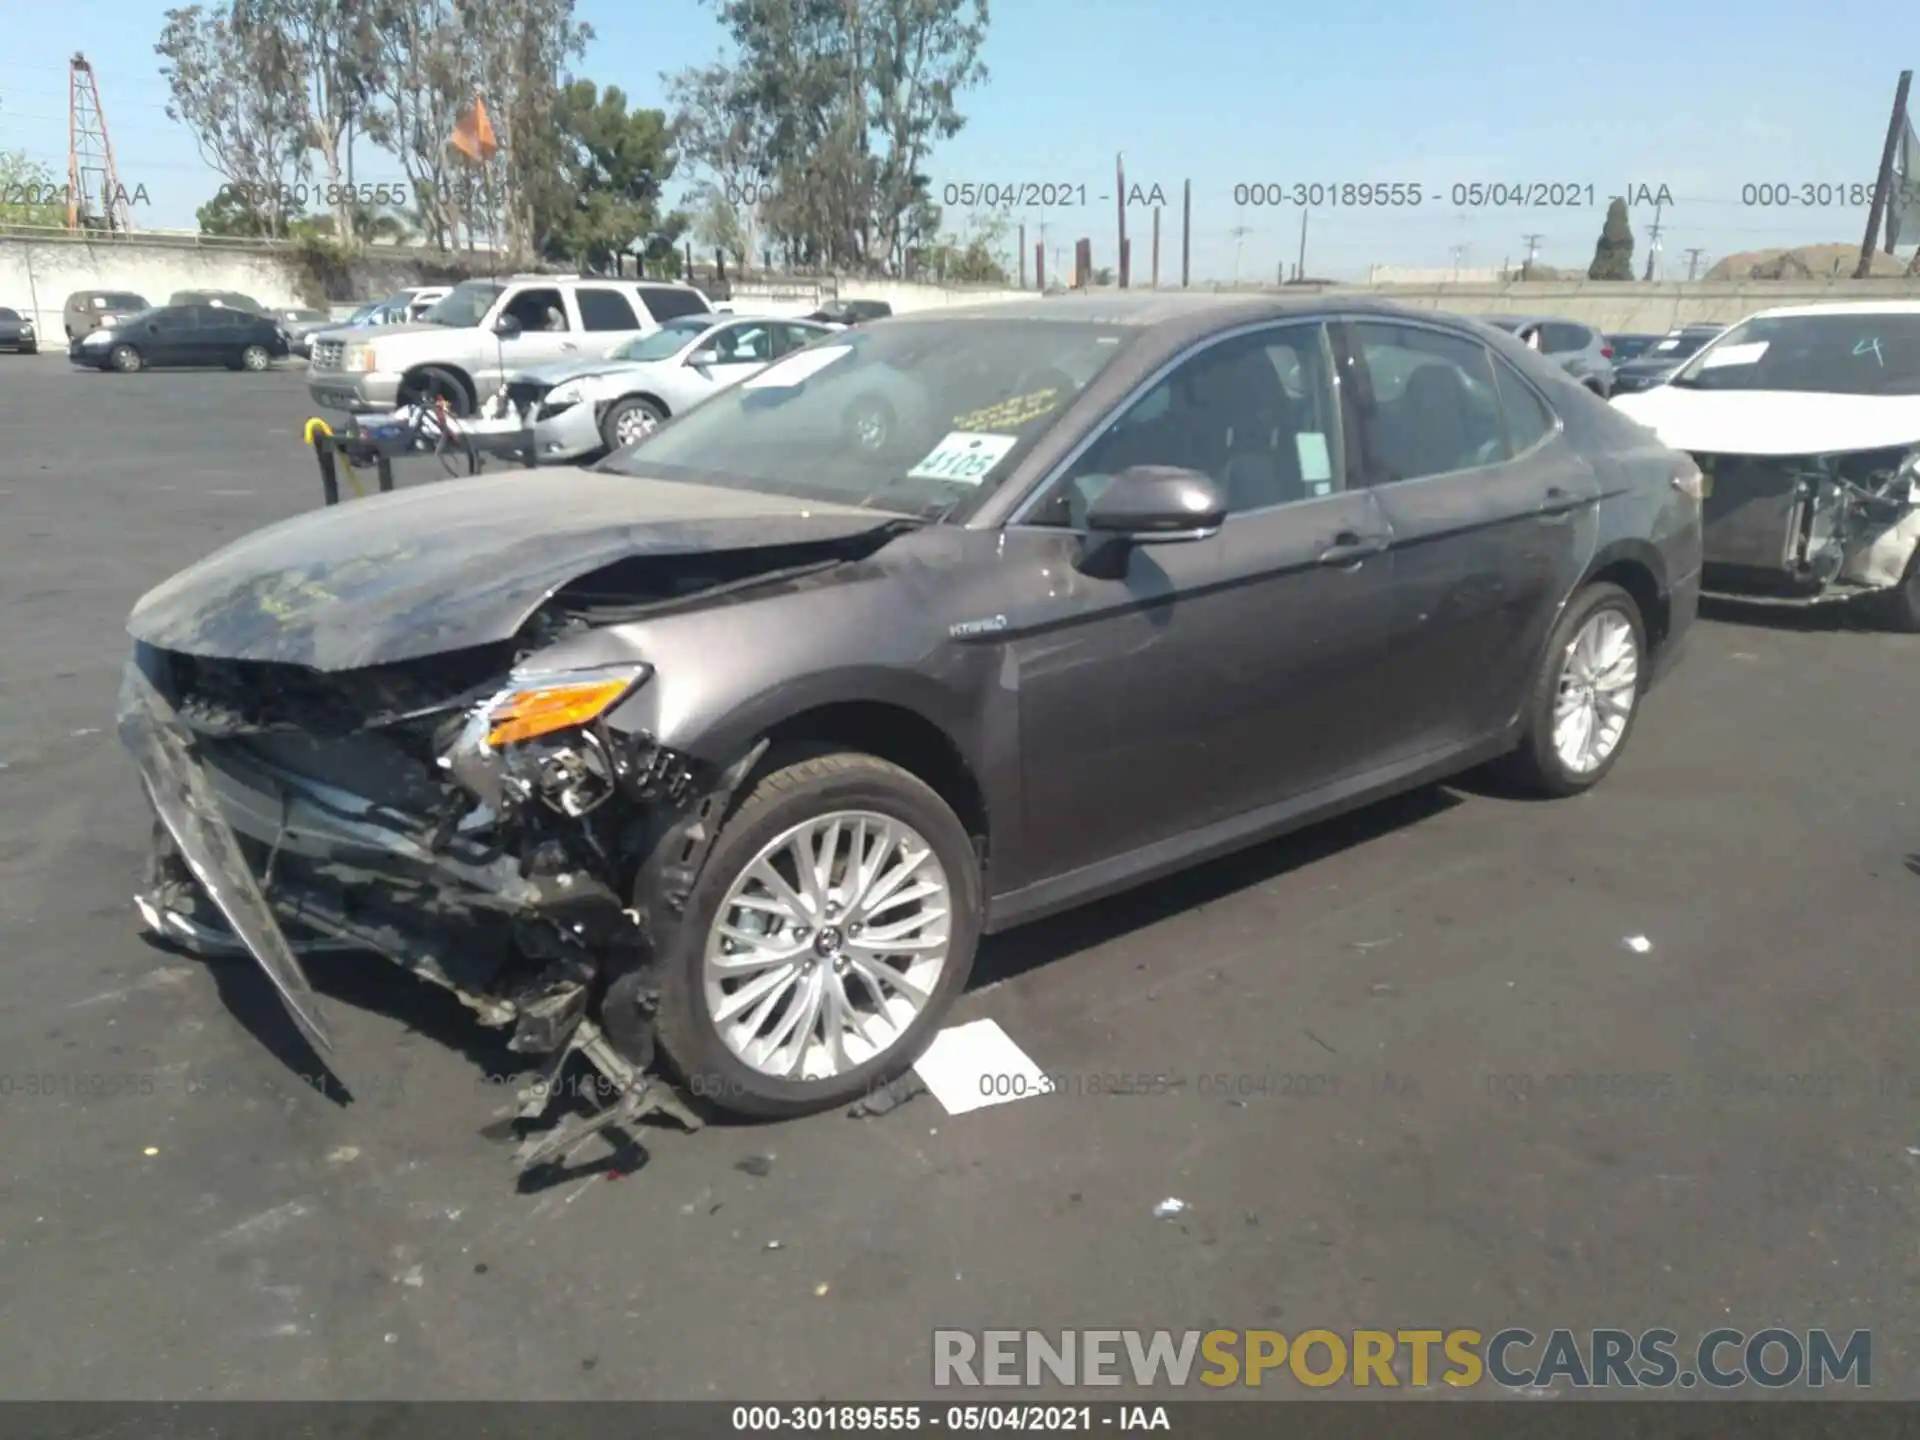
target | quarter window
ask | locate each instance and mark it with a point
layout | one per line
(667, 304)
(1427, 404)
(1528, 420)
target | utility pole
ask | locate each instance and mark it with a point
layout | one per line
(1156, 247)
(1653, 240)
(1459, 253)
(1533, 249)
(1693, 262)
(1885, 181)
(1300, 270)
(1186, 235)
(1239, 233)
(1120, 204)
(1023, 255)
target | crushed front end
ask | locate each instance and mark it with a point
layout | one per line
(1805, 529)
(482, 826)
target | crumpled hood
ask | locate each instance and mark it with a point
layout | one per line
(1773, 422)
(452, 564)
(562, 371)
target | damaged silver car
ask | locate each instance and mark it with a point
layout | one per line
(714, 762)
(1805, 422)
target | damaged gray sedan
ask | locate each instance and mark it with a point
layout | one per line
(715, 762)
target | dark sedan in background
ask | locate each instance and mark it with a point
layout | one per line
(1628, 346)
(17, 332)
(1663, 359)
(181, 335)
(742, 740)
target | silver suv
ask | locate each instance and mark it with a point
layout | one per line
(467, 343)
(1580, 350)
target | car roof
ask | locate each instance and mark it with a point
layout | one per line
(1847, 307)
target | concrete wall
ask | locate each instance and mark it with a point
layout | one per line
(38, 272)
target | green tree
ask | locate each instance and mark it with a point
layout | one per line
(33, 182)
(1613, 252)
(599, 195)
(834, 107)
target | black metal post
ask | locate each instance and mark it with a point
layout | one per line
(329, 477)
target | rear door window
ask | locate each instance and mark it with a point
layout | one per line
(1563, 339)
(1428, 405)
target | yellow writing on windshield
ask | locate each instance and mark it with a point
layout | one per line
(1010, 414)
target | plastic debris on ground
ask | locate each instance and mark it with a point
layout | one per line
(758, 1166)
(776, 1244)
(1639, 944)
(890, 1096)
(1170, 1208)
(975, 1065)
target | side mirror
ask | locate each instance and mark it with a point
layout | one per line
(707, 355)
(506, 327)
(1157, 505)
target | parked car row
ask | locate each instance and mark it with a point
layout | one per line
(731, 748)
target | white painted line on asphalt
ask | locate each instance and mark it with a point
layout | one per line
(969, 1067)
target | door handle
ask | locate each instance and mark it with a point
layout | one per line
(1350, 548)
(1557, 502)
(568, 346)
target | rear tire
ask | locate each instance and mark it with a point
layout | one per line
(1595, 666)
(255, 358)
(808, 791)
(126, 359)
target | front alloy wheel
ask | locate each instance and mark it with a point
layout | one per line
(255, 358)
(830, 928)
(828, 945)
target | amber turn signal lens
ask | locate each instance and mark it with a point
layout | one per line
(532, 713)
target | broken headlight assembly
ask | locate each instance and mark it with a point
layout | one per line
(539, 740)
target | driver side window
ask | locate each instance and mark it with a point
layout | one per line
(538, 310)
(1254, 413)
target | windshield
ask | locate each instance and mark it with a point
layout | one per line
(666, 342)
(463, 306)
(6, 314)
(916, 416)
(1676, 347)
(1836, 353)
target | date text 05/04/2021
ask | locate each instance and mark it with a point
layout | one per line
(1324, 193)
(850, 1419)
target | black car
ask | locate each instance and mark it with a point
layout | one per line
(739, 742)
(848, 313)
(176, 335)
(1663, 359)
(1622, 348)
(17, 332)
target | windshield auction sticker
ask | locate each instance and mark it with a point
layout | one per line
(1010, 414)
(963, 457)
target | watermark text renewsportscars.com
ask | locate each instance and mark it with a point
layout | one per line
(1513, 1358)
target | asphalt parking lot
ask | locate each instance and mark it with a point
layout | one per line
(1414, 1011)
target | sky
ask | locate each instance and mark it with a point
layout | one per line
(1702, 101)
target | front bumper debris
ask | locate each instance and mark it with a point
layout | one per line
(276, 852)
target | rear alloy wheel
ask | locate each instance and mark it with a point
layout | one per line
(831, 928)
(125, 359)
(628, 422)
(255, 358)
(1586, 696)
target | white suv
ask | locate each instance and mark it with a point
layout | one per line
(466, 344)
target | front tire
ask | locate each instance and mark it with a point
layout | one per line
(1585, 696)
(125, 359)
(433, 384)
(830, 929)
(629, 421)
(255, 358)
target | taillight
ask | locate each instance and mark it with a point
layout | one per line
(1607, 350)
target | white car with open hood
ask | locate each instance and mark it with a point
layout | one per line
(1805, 422)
